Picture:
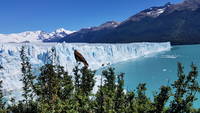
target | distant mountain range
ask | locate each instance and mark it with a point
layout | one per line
(177, 23)
(34, 36)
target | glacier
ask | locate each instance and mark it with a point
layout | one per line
(97, 55)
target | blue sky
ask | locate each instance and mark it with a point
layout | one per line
(48, 15)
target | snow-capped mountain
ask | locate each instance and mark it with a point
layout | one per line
(150, 12)
(178, 23)
(33, 36)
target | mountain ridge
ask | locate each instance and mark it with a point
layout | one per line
(177, 23)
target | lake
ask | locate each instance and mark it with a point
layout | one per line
(159, 69)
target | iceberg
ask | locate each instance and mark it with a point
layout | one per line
(96, 55)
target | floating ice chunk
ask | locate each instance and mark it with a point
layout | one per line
(169, 56)
(164, 70)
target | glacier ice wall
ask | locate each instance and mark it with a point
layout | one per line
(95, 54)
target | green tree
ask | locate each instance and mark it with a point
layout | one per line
(143, 103)
(87, 81)
(130, 102)
(186, 88)
(47, 87)
(105, 97)
(2, 102)
(28, 81)
(161, 99)
(77, 77)
(84, 83)
(54, 87)
(119, 94)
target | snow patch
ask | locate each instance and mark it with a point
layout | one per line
(156, 13)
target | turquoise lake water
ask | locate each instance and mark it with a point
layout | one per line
(159, 69)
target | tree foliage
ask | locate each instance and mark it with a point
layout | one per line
(186, 87)
(57, 91)
(27, 79)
